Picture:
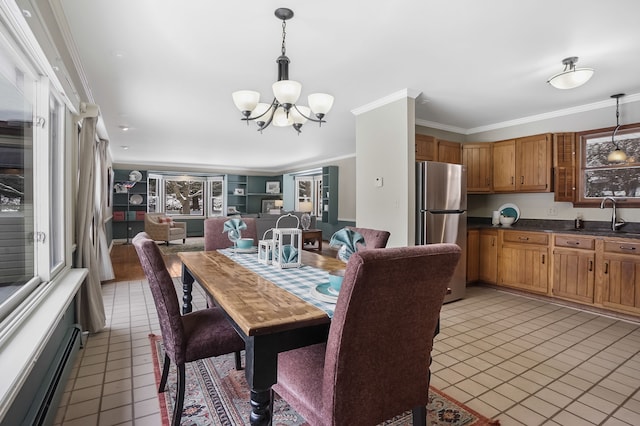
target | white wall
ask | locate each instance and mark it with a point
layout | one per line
(385, 149)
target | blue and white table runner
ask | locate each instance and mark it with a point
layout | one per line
(297, 281)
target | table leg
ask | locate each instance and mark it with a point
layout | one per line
(320, 243)
(261, 371)
(187, 287)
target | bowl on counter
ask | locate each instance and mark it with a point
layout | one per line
(507, 220)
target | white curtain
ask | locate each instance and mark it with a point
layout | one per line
(89, 304)
(102, 189)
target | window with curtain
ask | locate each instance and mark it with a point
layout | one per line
(32, 161)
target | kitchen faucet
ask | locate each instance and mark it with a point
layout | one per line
(615, 224)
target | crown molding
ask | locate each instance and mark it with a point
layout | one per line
(401, 94)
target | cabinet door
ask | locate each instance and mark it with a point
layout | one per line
(504, 166)
(477, 159)
(488, 264)
(533, 164)
(449, 152)
(564, 165)
(621, 276)
(523, 261)
(472, 255)
(574, 274)
(426, 148)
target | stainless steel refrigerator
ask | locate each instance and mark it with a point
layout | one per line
(441, 215)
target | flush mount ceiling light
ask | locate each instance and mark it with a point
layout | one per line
(617, 155)
(282, 111)
(571, 77)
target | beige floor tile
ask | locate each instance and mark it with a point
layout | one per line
(151, 420)
(91, 420)
(146, 407)
(525, 416)
(116, 416)
(85, 394)
(116, 400)
(117, 386)
(144, 380)
(82, 409)
(628, 416)
(540, 406)
(497, 400)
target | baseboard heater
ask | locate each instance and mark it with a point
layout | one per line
(50, 397)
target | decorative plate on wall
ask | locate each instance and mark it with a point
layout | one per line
(136, 199)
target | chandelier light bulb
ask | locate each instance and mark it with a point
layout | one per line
(281, 118)
(299, 114)
(246, 100)
(320, 103)
(287, 91)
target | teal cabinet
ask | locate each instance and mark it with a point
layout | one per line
(129, 205)
(330, 194)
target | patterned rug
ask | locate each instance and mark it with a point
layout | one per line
(192, 244)
(217, 394)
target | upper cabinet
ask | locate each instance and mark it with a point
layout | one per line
(429, 148)
(523, 164)
(477, 159)
(564, 166)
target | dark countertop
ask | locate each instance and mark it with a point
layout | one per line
(594, 228)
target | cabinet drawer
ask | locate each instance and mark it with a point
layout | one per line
(586, 243)
(525, 237)
(622, 247)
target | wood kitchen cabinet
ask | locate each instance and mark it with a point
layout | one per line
(523, 260)
(620, 275)
(564, 166)
(429, 148)
(488, 256)
(473, 240)
(476, 157)
(574, 274)
(523, 164)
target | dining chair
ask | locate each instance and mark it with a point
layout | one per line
(215, 239)
(373, 238)
(201, 334)
(375, 363)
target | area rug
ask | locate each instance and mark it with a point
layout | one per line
(217, 394)
(191, 244)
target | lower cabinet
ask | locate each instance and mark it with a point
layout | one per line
(488, 259)
(523, 261)
(473, 254)
(574, 268)
(620, 275)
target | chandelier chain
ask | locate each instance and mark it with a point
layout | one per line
(284, 34)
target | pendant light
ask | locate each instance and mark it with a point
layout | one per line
(617, 155)
(283, 110)
(571, 77)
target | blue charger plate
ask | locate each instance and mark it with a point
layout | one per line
(324, 293)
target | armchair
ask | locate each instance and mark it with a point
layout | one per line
(159, 228)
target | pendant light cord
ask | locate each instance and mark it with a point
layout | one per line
(284, 35)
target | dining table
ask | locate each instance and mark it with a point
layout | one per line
(273, 309)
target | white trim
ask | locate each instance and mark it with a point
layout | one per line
(440, 126)
(21, 348)
(401, 94)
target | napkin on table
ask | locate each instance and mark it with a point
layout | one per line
(234, 224)
(348, 239)
(289, 253)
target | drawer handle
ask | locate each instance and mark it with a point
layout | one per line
(512, 180)
(577, 243)
(521, 180)
(523, 238)
(590, 265)
(493, 242)
(627, 248)
(606, 268)
(543, 259)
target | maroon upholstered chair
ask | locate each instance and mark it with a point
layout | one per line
(201, 334)
(375, 363)
(373, 238)
(215, 239)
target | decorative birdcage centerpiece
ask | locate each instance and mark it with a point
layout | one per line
(265, 248)
(284, 248)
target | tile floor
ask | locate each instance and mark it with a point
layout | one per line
(521, 360)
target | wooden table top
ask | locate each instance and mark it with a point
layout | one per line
(257, 305)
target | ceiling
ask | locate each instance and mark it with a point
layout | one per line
(166, 69)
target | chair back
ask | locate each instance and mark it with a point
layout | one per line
(381, 335)
(373, 238)
(215, 239)
(164, 296)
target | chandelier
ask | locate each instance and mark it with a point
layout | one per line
(282, 111)
(571, 77)
(617, 155)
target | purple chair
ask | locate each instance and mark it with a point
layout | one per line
(215, 239)
(373, 238)
(201, 334)
(375, 363)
